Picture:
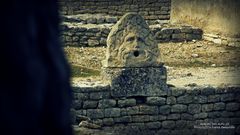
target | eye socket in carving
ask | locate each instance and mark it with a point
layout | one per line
(130, 39)
(140, 39)
(136, 53)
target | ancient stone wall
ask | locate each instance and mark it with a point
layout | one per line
(150, 9)
(96, 35)
(176, 111)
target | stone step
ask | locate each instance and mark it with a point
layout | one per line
(91, 35)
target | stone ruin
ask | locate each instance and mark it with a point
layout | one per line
(135, 98)
(133, 66)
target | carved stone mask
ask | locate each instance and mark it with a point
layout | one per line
(131, 44)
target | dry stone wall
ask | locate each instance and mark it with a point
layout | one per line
(178, 110)
(150, 9)
(90, 35)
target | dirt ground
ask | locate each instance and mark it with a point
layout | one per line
(188, 64)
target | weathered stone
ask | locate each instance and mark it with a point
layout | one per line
(126, 102)
(90, 104)
(108, 121)
(214, 115)
(200, 99)
(213, 98)
(181, 124)
(194, 108)
(208, 91)
(207, 107)
(112, 112)
(200, 116)
(156, 101)
(162, 117)
(165, 109)
(179, 108)
(111, 20)
(144, 109)
(168, 124)
(232, 106)
(185, 99)
(227, 97)
(227, 114)
(99, 95)
(153, 117)
(107, 103)
(186, 116)
(124, 119)
(177, 92)
(77, 104)
(132, 110)
(88, 124)
(219, 106)
(131, 44)
(153, 125)
(173, 116)
(93, 42)
(178, 37)
(140, 118)
(95, 113)
(171, 100)
(127, 82)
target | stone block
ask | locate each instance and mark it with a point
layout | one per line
(185, 99)
(93, 42)
(153, 125)
(127, 82)
(227, 114)
(126, 102)
(140, 118)
(108, 121)
(165, 109)
(179, 108)
(132, 110)
(173, 116)
(95, 113)
(227, 97)
(200, 116)
(144, 109)
(107, 103)
(124, 119)
(213, 98)
(177, 92)
(112, 112)
(214, 114)
(207, 107)
(99, 95)
(168, 124)
(219, 106)
(181, 124)
(156, 101)
(200, 99)
(171, 100)
(186, 116)
(208, 91)
(194, 108)
(90, 104)
(232, 106)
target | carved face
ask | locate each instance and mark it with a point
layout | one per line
(135, 51)
(131, 44)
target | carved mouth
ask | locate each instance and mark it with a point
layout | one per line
(136, 53)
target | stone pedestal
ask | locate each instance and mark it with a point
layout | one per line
(128, 82)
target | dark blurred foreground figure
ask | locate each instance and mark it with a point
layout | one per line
(35, 93)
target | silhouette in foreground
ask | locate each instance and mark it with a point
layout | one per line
(35, 93)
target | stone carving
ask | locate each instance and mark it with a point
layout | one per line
(132, 61)
(131, 44)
